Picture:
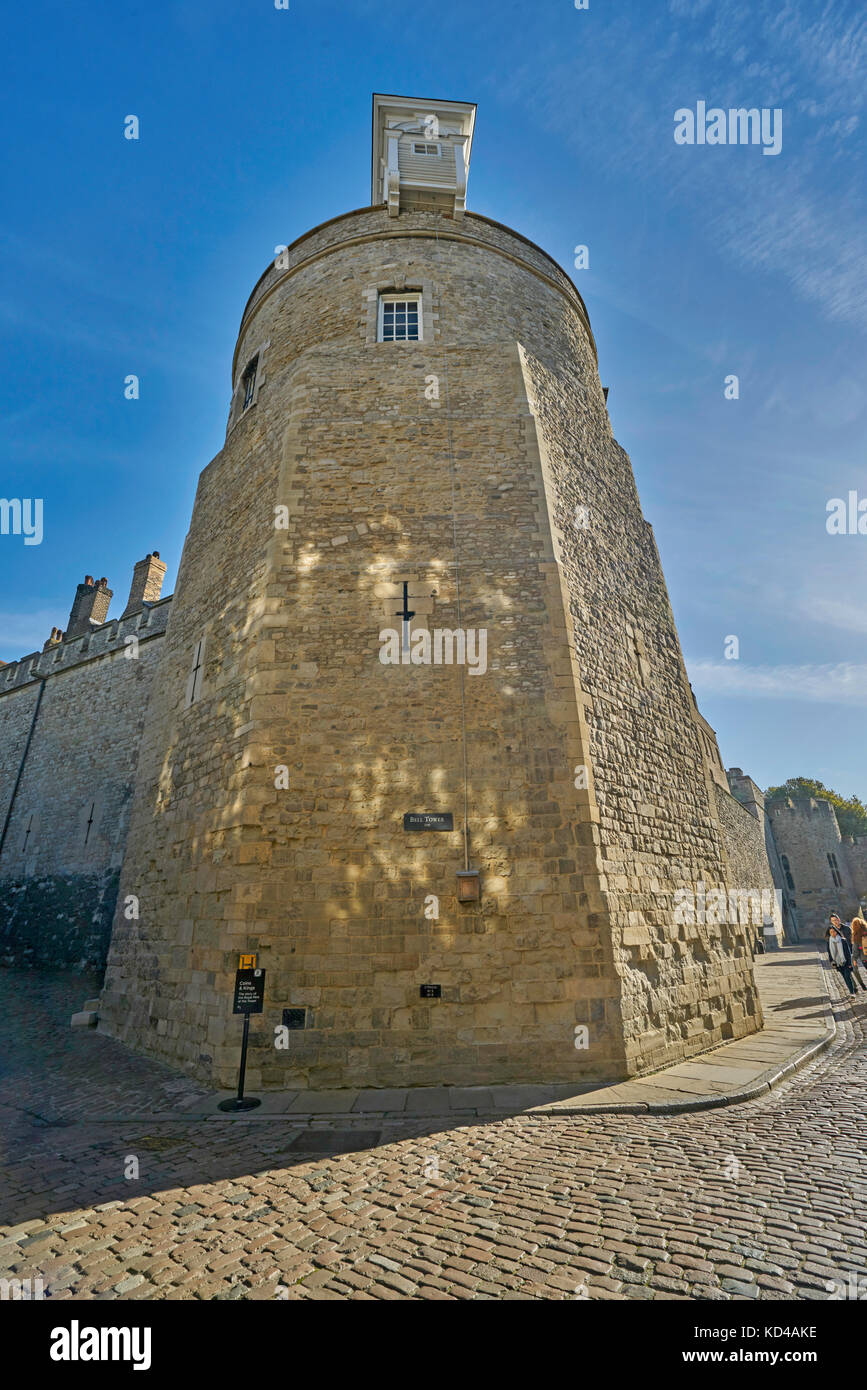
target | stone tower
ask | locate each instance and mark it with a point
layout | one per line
(815, 861)
(422, 737)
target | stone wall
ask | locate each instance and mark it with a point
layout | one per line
(64, 842)
(855, 851)
(269, 811)
(806, 834)
(683, 986)
(751, 796)
(749, 870)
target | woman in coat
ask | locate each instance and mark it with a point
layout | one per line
(840, 951)
(859, 942)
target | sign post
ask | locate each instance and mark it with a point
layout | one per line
(249, 999)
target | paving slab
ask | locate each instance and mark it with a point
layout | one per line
(474, 1098)
(381, 1101)
(428, 1100)
(718, 1072)
(323, 1103)
(520, 1097)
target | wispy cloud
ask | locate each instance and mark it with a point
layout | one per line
(840, 613)
(840, 683)
(786, 216)
(22, 633)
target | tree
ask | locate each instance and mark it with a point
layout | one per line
(851, 812)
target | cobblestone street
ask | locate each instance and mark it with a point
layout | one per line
(762, 1200)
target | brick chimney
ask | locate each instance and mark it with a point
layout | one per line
(54, 639)
(147, 583)
(90, 608)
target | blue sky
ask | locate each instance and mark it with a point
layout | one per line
(121, 257)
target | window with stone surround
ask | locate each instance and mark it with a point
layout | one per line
(247, 386)
(400, 318)
(788, 872)
(248, 383)
(835, 870)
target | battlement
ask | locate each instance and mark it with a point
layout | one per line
(90, 632)
(746, 791)
(71, 718)
(807, 806)
(109, 638)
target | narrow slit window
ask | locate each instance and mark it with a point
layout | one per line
(194, 681)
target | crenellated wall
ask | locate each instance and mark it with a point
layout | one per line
(811, 848)
(81, 703)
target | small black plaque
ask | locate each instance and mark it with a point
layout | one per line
(294, 1018)
(249, 992)
(430, 991)
(428, 820)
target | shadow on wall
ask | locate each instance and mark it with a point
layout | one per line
(58, 922)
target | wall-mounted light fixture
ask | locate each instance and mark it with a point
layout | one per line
(469, 886)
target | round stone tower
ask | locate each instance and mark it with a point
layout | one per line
(422, 736)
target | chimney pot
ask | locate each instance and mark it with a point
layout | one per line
(90, 607)
(147, 583)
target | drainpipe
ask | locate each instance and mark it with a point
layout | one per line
(5, 830)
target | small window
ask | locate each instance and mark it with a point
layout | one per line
(787, 871)
(400, 318)
(421, 148)
(248, 383)
(835, 871)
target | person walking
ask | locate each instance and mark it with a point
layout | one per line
(840, 951)
(859, 945)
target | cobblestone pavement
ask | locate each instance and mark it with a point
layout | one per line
(764, 1200)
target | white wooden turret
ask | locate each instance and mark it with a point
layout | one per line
(421, 154)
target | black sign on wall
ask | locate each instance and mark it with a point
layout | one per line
(249, 992)
(431, 991)
(428, 820)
